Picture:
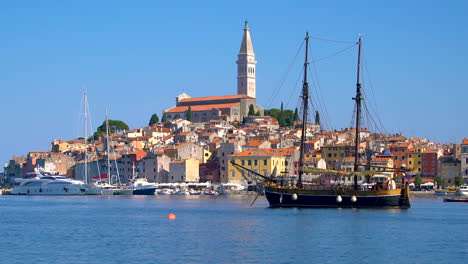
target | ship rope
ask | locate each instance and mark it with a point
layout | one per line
(284, 77)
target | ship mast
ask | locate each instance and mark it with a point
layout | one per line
(107, 149)
(358, 100)
(85, 136)
(305, 106)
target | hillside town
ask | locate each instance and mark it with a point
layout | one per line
(198, 139)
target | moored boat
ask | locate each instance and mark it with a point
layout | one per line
(456, 200)
(52, 185)
(463, 190)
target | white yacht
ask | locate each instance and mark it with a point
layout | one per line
(52, 185)
(463, 190)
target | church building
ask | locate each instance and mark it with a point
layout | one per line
(227, 107)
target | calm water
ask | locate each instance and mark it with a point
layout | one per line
(225, 230)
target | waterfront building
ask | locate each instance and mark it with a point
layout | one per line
(210, 171)
(154, 167)
(268, 162)
(13, 169)
(379, 163)
(186, 170)
(400, 151)
(449, 168)
(184, 151)
(226, 107)
(225, 150)
(127, 165)
(429, 163)
(464, 159)
(415, 162)
(335, 153)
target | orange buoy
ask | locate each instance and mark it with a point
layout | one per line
(171, 216)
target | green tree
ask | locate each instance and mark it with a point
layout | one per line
(251, 110)
(296, 115)
(188, 114)
(458, 180)
(417, 180)
(281, 116)
(317, 117)
(164, 118)
(115, 126)
(154, 119)
(439, 181)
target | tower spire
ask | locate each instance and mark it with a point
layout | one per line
(246, 65)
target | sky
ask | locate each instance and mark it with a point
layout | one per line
(134, 57)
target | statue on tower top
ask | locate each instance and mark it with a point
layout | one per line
(246, 24)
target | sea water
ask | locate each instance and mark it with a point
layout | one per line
(136, 229)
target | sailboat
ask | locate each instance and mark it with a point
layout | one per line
(293, 191)
(109, 188)
(92, 190)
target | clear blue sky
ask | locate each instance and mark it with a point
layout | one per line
(135, 56)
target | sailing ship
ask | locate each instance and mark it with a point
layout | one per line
(293, 191)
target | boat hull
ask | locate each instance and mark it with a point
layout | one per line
(144, 191)
(71, 189)
(330, 199)
(456, 200)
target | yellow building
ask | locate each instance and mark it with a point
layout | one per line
(380, 163)
(263, 161)
(335, 153)
(415, 160)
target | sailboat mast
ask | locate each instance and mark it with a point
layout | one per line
(358, 100)
(305, 107)
(85, 136)
(107, 149)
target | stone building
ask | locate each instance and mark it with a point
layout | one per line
(184, 171)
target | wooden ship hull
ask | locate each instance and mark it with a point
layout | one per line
(287, 197)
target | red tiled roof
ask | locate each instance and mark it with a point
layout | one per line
(210, 98)
(198, 108)
(265, 152)
(381, 159)
(465, 141)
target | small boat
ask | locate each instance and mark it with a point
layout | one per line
(463, 190)
(447, 191)
(454, 200)
(194, 192)
(165, 192)
(182, 192)
(142, 187)
(209, 192)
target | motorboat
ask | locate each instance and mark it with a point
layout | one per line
(454, 200)
(194, 192)
(52, 185)
(209, 192)
(463, 190)
(143, 187)
(182, 192)
(165, 192)
(447, 191)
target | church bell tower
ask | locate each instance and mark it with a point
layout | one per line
(246, 66)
